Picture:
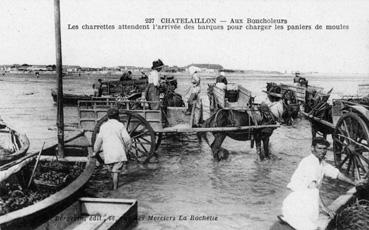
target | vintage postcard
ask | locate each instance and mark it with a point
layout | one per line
(184, 114)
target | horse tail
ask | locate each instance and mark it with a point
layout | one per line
(206, 124)
(210, 122)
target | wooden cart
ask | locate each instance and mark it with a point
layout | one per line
(351, 135)
(278, 90)
(146, 126)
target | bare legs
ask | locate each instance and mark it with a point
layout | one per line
(115, 177)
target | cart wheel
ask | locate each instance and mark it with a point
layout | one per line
(351, 144)
(140, 131)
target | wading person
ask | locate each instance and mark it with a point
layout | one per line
(115, 142)
(297, 78)
(194, 93)
(152, 92)
(97, 86)
(301, 207)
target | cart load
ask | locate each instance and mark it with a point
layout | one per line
(277, 91)
(234, 96)
(123, 88)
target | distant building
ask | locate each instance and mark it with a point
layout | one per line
(71, 68)
(128, 67)
(37, 68)
(204, 68)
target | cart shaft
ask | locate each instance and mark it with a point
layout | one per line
(214, 129)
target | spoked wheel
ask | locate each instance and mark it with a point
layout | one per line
(351, 145)
(141, 133)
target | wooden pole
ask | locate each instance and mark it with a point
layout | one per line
(215, 129)
(35, 166)
(59, 74)
(319, 120)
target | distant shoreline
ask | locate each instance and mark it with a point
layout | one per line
(47, 75)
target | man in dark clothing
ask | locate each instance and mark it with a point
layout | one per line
(97, 86)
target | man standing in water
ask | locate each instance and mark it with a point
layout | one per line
(152, 92)
(115, 142)
(301, 207)
(97, 86)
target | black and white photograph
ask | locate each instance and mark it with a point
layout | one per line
(184, 114)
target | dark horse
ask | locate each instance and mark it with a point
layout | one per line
(317, 106)
(171, 98)
(260, 115)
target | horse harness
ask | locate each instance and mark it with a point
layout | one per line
(266, 116)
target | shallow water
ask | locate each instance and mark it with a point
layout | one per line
(240, 193)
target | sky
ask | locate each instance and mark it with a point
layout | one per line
(27, 34)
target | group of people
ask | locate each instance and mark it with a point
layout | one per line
(152, 92)
(300, 209)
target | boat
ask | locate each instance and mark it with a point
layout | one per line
(13, 144)
(70, 99)
(77, 150)
(324, 222)
(95, 213)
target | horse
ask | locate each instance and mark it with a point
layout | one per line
(171, 98)
(292, 107)
(317, 106)
(288, 98)
(257, 115)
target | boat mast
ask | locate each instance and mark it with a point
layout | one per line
(59, 74)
